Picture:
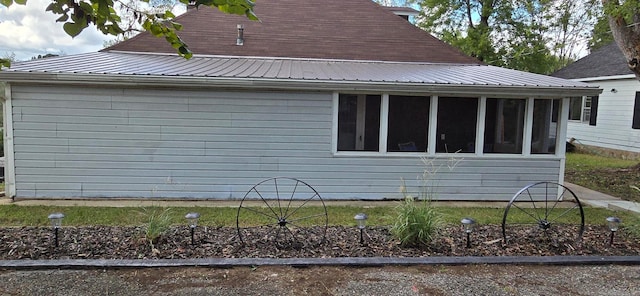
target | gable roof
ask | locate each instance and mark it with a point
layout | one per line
(321, 29)
(606, 61)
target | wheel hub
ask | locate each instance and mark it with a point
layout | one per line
(282, 222)
(544, 224)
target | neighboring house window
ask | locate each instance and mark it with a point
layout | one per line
(636, 112)
(545, 126)
(359, 122)
(504, 125)
(583, 109)
(408, 126)
(456, 129)
(575, 108)
(586, 109)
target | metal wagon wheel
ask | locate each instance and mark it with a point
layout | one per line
(284, 212)
(545, 206)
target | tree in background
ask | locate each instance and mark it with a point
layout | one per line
(106, 16)
(601, 34)
(624, 20)
(532, 35)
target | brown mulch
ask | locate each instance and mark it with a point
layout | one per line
(106, 242)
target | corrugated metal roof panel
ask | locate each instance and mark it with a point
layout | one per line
(125, 63)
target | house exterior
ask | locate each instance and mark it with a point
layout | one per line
(612, 119)
(347, 96)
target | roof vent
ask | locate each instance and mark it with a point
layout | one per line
(240, 39)
(191, 4)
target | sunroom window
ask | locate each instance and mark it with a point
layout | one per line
(408, 126)
(545, 126)
(359, 122)
(504, 126)
(456, 129)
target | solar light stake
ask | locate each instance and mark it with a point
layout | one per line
(468, 224)
(56, 222)
(613, 223)
(192, 219)
(361, 219)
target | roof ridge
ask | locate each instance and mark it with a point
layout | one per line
(289, 58)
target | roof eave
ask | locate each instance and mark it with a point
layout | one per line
(296, 84)
(602, 78)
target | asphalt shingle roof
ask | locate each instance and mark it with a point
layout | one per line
(323, 29)
(606, 61)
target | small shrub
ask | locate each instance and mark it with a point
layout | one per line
(416, 223)
(158, 221)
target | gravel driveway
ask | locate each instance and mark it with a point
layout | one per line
(282, 280)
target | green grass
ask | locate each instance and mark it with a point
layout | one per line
(13, 215)
(587, 162)
(613, 176)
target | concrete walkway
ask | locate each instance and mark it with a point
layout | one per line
(601, 200)
(586, 196)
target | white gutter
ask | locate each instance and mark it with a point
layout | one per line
(293, 84)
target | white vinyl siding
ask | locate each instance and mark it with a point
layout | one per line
(615, 116)
(73, 142)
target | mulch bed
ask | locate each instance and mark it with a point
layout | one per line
(106, 242)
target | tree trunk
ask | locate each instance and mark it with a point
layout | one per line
(627, 37)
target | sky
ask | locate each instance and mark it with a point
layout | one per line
(28, 31)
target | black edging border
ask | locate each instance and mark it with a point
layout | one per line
(307, 262)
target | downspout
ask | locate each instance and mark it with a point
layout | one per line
(9, 159)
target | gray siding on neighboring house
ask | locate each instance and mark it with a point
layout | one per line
(615, 116)
(153, 143)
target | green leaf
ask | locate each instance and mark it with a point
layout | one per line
(169, 15)
(63, 18)
(86, 7)
(21, 2)
(72, 29)
(5, 63)
(6, 3)
(177, 26)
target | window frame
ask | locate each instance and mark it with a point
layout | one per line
(564, 104)
(585, 110)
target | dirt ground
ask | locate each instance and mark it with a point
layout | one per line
(338, 280)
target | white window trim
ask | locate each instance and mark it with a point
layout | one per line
(583, 102)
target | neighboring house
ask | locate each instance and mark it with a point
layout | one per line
(344, 95)
(612, 119)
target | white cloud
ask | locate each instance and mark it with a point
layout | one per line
(29, 30)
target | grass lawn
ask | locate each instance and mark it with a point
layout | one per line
(612, 176)
(13, 215)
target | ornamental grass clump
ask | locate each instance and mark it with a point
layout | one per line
(416, 222)
(157, 224)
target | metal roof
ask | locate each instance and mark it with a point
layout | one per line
(126, 63)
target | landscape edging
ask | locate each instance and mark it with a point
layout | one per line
(306, 262)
